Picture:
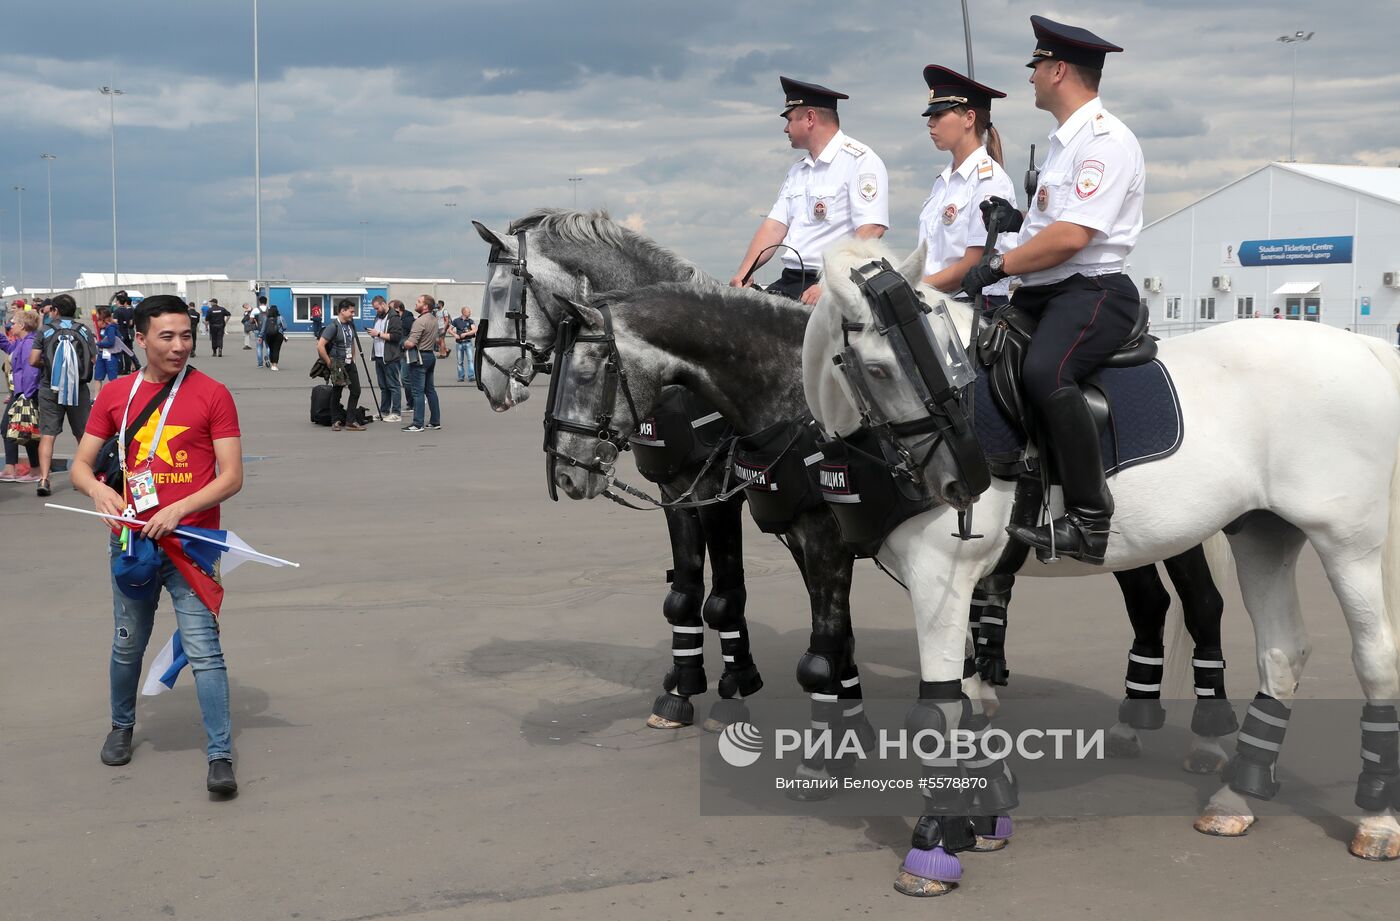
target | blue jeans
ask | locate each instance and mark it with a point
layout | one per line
(261, 347)
(466, 368)
(199, 632)
(388, 374)
(420, 384)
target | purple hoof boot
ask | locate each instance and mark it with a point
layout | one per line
(1003, 830)
(935, 864)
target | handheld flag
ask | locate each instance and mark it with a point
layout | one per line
(166, 667)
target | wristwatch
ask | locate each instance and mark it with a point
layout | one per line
(994, 264)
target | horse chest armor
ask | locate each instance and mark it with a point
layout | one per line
(867, 502)
(678, 434)
(776, 464)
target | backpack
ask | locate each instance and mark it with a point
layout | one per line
(80, 339)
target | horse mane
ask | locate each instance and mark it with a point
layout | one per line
(598, 227)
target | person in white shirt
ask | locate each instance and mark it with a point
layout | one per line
(959, 117)
(840, 188)
(1076, 235)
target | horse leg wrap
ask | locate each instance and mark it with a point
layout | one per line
(989, 602)
(1141, 707)
(819, 669)
(1213, 715)
(996, 792)
(1379, 783)
(942, 707)
(724, 613)
(682, 610)
(1253, 770)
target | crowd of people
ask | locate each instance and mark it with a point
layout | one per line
(405, 348)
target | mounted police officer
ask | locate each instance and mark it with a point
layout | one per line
(839, 188)
(959, 117)
(1076, 235)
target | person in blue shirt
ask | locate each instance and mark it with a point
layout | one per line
(108, 364)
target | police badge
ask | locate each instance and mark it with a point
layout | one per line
(819, 211)
(1042, 198)
(950, 214)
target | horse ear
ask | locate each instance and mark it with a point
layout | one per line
(490, 236)
(912, 268)
(586, 315)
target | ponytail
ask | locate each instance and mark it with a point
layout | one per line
(988, 132)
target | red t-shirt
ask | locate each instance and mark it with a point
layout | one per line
(184, 461)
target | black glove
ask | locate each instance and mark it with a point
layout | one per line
(978, 277)
(1003, 213)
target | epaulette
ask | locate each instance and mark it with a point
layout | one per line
(1101, 126)
(854, 149)
(984, 169)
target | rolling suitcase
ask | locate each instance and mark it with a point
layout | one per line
(322, 396)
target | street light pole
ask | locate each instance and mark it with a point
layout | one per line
(112, 93)
(48, 159)
(1295, 40)
(19, 194)
(574, 181)
(967, 40)
(363, 272)
(257, 157)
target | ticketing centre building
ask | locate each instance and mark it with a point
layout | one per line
(1306, 242)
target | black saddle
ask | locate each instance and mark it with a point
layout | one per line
(1001, 348)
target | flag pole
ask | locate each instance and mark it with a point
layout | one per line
(180, 531)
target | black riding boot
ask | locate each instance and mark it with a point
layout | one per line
(1082, 533)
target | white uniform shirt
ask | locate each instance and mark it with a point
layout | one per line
(826, 199)
(951, 220)
(1094, 176)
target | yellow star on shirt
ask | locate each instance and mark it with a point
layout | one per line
(148, 432)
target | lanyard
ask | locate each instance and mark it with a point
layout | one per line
(160, 426)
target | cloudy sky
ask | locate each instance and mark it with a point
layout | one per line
(386, 111)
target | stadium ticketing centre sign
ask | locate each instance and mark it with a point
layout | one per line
(1299, 251)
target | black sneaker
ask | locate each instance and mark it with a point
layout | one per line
(43, 489)
(433, 426)
(411, 428)
(221, 780)
(117, 749)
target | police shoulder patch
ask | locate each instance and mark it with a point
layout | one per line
(869, 186)
(1088, 179)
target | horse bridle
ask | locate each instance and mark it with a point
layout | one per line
(533, 359)
(611, 441)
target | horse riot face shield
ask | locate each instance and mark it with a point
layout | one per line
(582, 392)
(933, 371)
(503, 308)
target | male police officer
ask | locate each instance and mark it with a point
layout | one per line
(839, 188)
(1076, 235)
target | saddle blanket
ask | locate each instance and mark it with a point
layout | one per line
(1145, 422)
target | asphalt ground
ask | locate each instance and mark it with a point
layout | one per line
(440, 715)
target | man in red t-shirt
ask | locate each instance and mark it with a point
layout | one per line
(182, 460)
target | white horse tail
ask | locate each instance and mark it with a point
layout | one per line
(1178, 679)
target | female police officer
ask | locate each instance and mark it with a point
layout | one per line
(959, 119)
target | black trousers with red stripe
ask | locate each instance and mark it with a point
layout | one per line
(1082, 322)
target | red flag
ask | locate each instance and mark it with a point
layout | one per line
(205, 584)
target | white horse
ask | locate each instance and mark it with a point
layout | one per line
(1321, 464)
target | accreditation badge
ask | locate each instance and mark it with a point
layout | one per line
(142, 484)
